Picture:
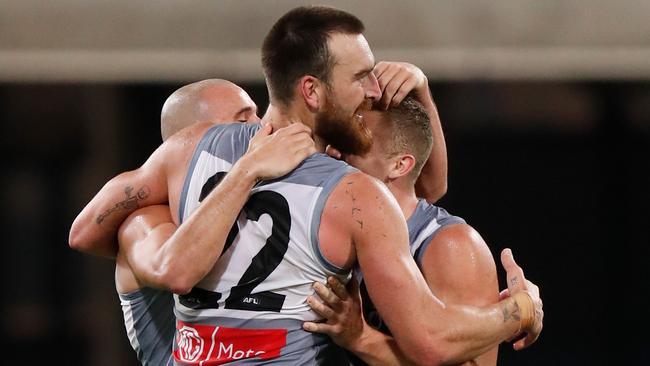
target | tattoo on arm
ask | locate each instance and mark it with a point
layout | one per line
(514, 281)
(511, 312)
(130, 203)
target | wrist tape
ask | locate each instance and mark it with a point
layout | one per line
(526, 309)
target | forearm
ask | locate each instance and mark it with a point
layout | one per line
(94, 231)
(432, 182)
(191, 252)
(378, 349)
(476, 331)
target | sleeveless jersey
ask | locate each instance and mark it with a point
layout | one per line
(423, 225)
(250, 307)
(149, 321)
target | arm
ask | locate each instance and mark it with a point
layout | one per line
(188, 254)
(446, 333)
(163, 257)
(397, 80)
(94, 231)
(459, 268)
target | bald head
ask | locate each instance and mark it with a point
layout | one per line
(211, 100)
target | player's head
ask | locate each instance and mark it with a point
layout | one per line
(211, 100)
(402, 143)
(317, 57)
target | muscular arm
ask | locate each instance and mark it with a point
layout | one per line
(459, 268)
(432, 182)
(163, 257)
(397, 80)
(446, 333)
(94, 231)
(178, 260)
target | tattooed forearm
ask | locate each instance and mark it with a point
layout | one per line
(130, 203)
(511, 311)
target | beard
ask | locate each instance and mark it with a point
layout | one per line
(347, 133)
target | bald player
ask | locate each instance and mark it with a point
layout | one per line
(145, 237)
(215, 100)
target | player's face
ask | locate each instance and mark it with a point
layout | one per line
(238, 106)
(351, 89)
(375, 162)
(348, 133)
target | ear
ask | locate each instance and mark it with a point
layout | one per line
(402, 165)
(311, 90)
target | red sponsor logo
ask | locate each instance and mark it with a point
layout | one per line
(207, 345)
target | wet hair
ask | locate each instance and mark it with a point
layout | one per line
(408, 131)
(297, 45)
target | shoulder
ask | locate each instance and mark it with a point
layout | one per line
(363, 203)
(455, 242)
(458, 262)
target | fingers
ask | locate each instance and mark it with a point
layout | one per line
(320, 308)
(338, 288)
(507, 259)
(385, 80)
(514, 273)
(323, 328)
(264, 131)
(396, 80)
(397, 83)
(525, 342)
(327, 295)
(403, 91)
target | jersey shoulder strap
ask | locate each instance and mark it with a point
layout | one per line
(222, 144)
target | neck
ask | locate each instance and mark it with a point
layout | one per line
(280, 116)
(404, 193)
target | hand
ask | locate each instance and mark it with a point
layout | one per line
(518, 283)
(397, 79)
(274, 154)
(341, 309)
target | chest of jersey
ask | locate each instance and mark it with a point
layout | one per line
(270, 257)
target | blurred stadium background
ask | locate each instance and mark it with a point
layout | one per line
(545, 105)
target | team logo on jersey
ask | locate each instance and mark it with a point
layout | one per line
(190, 344)
(210, 345)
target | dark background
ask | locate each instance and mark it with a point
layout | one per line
(557, 171)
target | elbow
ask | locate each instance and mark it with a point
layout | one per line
(436, 193)
(180, 287)
(436, 350)
(439, 192)
(174, 281)
(76, 239)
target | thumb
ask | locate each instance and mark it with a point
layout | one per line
(507, 259)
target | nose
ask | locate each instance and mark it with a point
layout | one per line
(373, 91)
